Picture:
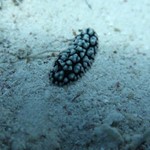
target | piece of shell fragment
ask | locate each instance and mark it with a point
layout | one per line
(73, 62)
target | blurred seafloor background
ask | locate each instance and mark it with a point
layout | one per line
(107, 109)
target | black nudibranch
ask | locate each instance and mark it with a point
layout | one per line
(72, 63)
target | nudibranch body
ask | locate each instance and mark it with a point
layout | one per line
(72, 63)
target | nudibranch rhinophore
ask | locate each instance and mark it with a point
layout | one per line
(72, 63)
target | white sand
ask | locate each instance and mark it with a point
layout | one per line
(109, 108)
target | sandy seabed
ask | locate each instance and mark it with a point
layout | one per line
(107, 109)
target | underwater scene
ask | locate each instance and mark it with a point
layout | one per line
(74, 75)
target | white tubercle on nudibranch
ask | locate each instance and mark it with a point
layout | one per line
(72, 63)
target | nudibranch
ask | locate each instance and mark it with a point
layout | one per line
(73, 62)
